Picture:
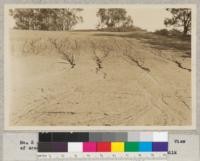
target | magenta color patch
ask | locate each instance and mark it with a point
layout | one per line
(89, 147)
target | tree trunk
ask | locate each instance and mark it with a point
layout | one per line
(185, 30)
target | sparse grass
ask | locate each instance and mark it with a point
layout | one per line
(127, 53)
(147, 82)
(66, 48)
(157, 41)
(104, 49)
(31, 46)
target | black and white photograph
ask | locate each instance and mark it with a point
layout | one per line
(98, 65)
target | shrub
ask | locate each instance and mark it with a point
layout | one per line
(164, 32)
(121, 29)
(175, 32)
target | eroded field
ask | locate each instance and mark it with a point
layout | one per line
(97, 78)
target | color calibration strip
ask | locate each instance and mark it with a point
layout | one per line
(103, 142)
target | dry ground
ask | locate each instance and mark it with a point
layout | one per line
(98, 78)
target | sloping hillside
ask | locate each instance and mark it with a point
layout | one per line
(98, 78)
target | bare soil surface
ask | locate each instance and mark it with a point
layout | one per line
(98, 78)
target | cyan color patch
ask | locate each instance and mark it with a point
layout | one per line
(145, 146)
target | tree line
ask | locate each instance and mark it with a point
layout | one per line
(46, 19)
(64, 19)
(181, 18)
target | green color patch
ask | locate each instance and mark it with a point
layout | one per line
(131, 146)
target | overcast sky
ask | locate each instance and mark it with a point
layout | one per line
(150, 19)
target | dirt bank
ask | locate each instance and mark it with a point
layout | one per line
(88, 78)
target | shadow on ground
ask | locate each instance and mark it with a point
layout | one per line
(157, 41)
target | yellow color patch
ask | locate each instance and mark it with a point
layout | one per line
(117, 147)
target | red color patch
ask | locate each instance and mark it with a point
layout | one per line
(103, 147)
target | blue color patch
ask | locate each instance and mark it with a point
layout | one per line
(145, 146)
